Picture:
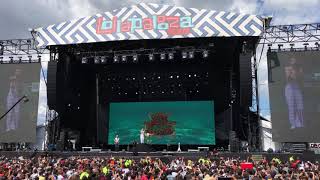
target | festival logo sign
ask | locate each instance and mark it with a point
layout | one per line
(173, 25)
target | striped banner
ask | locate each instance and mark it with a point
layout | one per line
(150, 21)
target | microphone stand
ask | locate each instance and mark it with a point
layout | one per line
(25, 98)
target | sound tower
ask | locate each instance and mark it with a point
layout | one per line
(52, 84)
(245, 79)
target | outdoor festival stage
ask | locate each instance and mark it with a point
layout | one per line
(152, 53)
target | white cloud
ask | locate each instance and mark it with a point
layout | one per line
(244, 6)
(293, 11)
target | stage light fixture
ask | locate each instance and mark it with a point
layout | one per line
(20, 59)
(191, 55)
(170, 56)
(11, 59)
(306, 45)
(115, 59)
(162, 56)
(124, 58)
(84, 60)
(39, 58)
(184, 55)
(97, 60)
(151, 57)
(1, 50)
(317, 44)
(205, 54)
(103, 59)
(291, 47)
(30, 58)
(135, 58)
(280, 46)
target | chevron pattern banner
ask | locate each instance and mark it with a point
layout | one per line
(150, 21)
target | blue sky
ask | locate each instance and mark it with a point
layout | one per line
(17, 16)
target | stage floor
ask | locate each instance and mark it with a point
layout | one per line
(310, 156)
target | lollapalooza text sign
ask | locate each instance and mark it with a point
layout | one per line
(173, 25)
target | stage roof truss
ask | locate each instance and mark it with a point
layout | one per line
(20, 47)
(290, 34)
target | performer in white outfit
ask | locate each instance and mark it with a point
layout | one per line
(142, 136)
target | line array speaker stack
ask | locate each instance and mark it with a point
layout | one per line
(52, 84)
(245, 79)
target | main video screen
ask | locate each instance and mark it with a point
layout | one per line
(185, 122)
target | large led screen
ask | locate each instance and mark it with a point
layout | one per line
(185, 122)
(294, 90)
(17, 81)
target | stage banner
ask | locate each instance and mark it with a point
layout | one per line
(150, 21)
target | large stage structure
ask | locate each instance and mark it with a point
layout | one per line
(156, 53)
(150, 52)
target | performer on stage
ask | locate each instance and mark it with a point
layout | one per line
(116, 143)
(142, 136)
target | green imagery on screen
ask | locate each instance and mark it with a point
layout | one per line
(187, 122)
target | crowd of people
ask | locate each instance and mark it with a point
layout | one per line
(101, 168)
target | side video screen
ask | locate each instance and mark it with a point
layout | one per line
(294, 90)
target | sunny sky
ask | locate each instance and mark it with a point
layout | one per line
(16, 16)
